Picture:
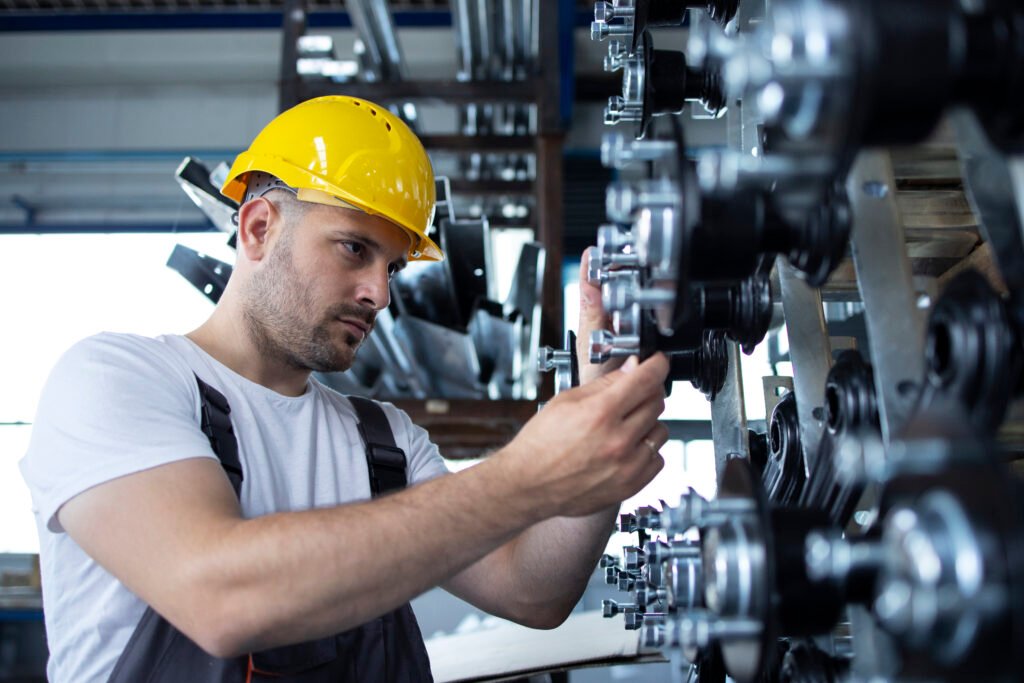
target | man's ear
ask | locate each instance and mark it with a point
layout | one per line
(254, 220)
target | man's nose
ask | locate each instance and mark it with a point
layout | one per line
(375, 287)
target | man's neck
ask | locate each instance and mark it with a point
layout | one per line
(226, 338)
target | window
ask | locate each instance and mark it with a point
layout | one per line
(58, 289)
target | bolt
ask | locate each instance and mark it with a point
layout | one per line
(633, 620)
(633, 557)
(620, 202)
(549, 358)
(611, 575)
(647, 595)
(609, 608)
(611, 240)
(618, 152)
(599, 30)
(620, 292)
(620, 110)
(648, 518)
(605, 345)
(606, 11)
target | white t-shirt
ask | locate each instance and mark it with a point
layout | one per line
(117, 404)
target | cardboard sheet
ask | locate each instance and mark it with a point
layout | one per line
(512, 651)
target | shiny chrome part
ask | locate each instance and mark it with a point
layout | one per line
(560, 361)
(735, 582)
(693, 510)
(662, 551)
(698, 629)
(617, 53)
(600, 30)
(619, 109)
(725, 171)
(618, 151)
(936, 591)
(604, 346)
(684, 583)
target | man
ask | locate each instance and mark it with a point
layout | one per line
(164, 561)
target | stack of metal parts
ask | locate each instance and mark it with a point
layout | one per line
(444, 335)
(876, 531)
(495, 41)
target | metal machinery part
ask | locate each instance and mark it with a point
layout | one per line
(876, 531)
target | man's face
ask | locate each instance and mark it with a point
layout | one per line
(313, 300)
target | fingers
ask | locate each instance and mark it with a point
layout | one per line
(644, 420)
(636, 384)
(648, 463)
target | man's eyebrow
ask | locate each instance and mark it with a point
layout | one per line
(373, 244)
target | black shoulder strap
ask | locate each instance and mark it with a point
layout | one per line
(385, 461)
(216, 424)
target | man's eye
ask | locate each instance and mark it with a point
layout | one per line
(355, 247)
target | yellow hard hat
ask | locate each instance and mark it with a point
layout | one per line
(347, 152)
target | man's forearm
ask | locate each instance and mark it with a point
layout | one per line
(295, 576)
(555, 559)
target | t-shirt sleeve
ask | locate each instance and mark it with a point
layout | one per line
(424, 459)
(113, 405)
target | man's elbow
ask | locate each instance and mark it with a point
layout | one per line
(221, 636)
(544, 619)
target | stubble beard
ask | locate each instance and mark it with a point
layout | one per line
(277, 312)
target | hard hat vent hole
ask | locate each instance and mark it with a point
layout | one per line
(373, 111)
(388, 126)
(355, 103)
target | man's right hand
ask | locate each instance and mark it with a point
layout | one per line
(595, 445)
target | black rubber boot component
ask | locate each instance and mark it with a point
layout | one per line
(805, 663)
(710, 667)
(751, 312)
(757, 444)
(815, 247)
(804, 606)
(733, 236)
(973, 352)
(669, 83)
(851, 411)
(850, 400)
(909, 73)
(784, 474)
(648, 13)
(743, 311)
(992, 75)
(704, 367)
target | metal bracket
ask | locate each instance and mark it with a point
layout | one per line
(895, 324)
(811, 355)
(771, 386)
(729, 416)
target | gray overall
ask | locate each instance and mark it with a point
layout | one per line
(389, 648)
